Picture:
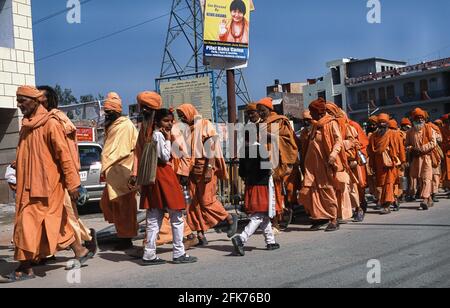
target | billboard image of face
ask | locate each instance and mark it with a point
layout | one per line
(227, 29)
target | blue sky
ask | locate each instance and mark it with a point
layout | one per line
(290, 40)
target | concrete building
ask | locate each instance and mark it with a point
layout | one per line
(332, 86)
(16, 68)
(363, 87)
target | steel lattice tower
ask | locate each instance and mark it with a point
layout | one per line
(183, 51)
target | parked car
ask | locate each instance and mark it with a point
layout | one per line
(90, 172)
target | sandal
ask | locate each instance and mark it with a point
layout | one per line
(156, 261)
(78, 262)
(11, 278)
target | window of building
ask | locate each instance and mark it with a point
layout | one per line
(409, 90)
(323, 95)
(433, 84)
(423, 85)
(6, 24)
(382, 94)
(336, 75)
(372, 95)
(338, 100)
(390, 91)
(362, 97)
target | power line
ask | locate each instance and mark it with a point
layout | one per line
(101, 38)
(57, 13)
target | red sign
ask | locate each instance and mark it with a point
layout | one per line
(85, 134)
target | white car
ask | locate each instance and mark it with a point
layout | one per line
(90, 172)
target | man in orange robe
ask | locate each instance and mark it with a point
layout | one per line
(445, 132)
(386, 156)
(118, 202)
(393, 125)
(206, 211)
(372, 125)
(44, 169)
(420, 142)
(361, 171)
(323, 161)
(83, 234)
(287, 156)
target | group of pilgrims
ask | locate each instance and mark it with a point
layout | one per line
(328, 168)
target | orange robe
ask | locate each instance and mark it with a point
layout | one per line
(287, 159)
(44, 170)
(421, 169)
(386, 177)
(119, 204)
(362, 169)
(206, 211)
(445, 132)
(318, 194)
(82, 233)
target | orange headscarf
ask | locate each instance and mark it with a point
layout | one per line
(406, 121)
(318, 106)
(267, 102)
(189, 112)
(113, 102)
(383, 118)
(393, 124)
(29, 91)
(150, 99)
(416, 113)
(373, 119)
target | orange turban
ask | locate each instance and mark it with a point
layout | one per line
(406, 121)
(334, 110)
(251, 107)
(373, 119)
(29, 91)
(267, 102)
(113, 102)
(383, 118)
(150, 99)
(307, 115)
(318, 106)
(189, 112)
(393, 124)
(418, 113)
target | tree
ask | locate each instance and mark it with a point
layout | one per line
(65, 96)
(222, 109)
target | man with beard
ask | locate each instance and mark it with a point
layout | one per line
(420, 142)
(82, 233)
(118, 202)
(44, 170)
(385, 157)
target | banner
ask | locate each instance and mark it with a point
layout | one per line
(227, 33)
(195, 91)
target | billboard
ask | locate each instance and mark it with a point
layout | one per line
(226, 33)
(195, 91)
(85, 134)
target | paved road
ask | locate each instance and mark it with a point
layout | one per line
(413, 248)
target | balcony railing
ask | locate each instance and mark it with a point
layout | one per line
(398, 100)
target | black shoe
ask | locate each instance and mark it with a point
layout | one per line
(424, 206)
(364, 206)
(395, 207)
(435, 198)
(332, 227)
(156, 261)
(92, 245)
(202, 242)
(273, 246)
(318, 224)
(233, 227)
(238, 245)
(185, 260)
(124, 244)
